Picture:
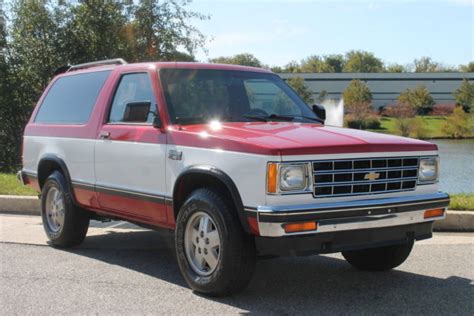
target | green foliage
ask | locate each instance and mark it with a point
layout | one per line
(426, 64)
(464, 96)
(244, 59)
(370, 121)
(44, 35)
(458, 124)
(315, 64)
(298, 84)
(357, 92)
(361, 61)
(9, 185)
(395, 68)
(462, 202)
(330, 63)
(322, 95)
(467, 68)
(419, 98)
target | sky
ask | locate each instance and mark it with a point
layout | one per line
(280, 31)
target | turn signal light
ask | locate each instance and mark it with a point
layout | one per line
(272, 177)
(433, 213)
(300, 227)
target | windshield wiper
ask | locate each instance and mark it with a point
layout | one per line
(270, 117)
(282, 117)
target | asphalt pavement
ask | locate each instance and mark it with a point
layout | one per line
(123, 269)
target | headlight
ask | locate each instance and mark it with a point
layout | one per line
(293, 177)
(428, 169)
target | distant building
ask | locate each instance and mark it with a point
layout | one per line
(385, 87)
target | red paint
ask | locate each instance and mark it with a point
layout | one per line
(85, 197)
(275, 138)
(32, 182)
(253, 225)
(146, 211)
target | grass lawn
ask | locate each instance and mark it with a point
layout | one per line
(9, 185)
(433, 125)
(462, 202)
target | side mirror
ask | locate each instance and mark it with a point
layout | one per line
(137, 112)
(157, 121)
(320, 111)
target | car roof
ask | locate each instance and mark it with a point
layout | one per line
(165, 65)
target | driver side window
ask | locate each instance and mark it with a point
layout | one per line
(134, 87)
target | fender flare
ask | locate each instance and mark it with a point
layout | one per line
(224, 178)
(62, 165)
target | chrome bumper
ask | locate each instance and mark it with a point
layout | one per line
(353, 215)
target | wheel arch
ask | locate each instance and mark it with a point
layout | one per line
(195, 177)
(50, 163)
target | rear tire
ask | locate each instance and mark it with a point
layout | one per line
(207, 224)
(379, 259)
(65, 224)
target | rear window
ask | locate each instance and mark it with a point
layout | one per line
(71, 99)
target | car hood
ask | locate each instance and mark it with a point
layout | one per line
(287, 138)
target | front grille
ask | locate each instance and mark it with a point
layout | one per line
(364, 176)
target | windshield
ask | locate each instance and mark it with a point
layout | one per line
(201, 95)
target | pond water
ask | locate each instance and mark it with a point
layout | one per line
(457, 165)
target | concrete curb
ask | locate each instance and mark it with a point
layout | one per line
(456, 221)
(20, 205)
(30, 205)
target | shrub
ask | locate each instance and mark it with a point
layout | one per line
(417, 128)
(458, 124)
(443, 109)
(400, 110)
(370, 122)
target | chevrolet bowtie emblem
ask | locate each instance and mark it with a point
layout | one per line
(372, 176)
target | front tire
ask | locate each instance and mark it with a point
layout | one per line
(65, 224)
(379, 259)
(214, 254)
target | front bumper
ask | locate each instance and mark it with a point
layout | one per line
(348, 216)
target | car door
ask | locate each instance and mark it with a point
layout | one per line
(130, 157)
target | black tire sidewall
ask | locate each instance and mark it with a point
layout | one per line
(231, 237)
(76, 221)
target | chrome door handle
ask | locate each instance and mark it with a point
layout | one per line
(104, 135)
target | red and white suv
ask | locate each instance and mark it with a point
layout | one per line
(232, 160)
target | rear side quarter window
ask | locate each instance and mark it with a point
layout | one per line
(71, 98)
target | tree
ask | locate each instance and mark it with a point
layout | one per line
(395, 68)
(97, 30)
(322, 95)
(464, 96)
(292, 67)
(315, 64)
(298, 84)
(457, 124)
(357, 92)
(426, 64)
(467, 68)
(336, 62)
(244, 59)
(160, 28)
(361, 61)
(419, 98)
